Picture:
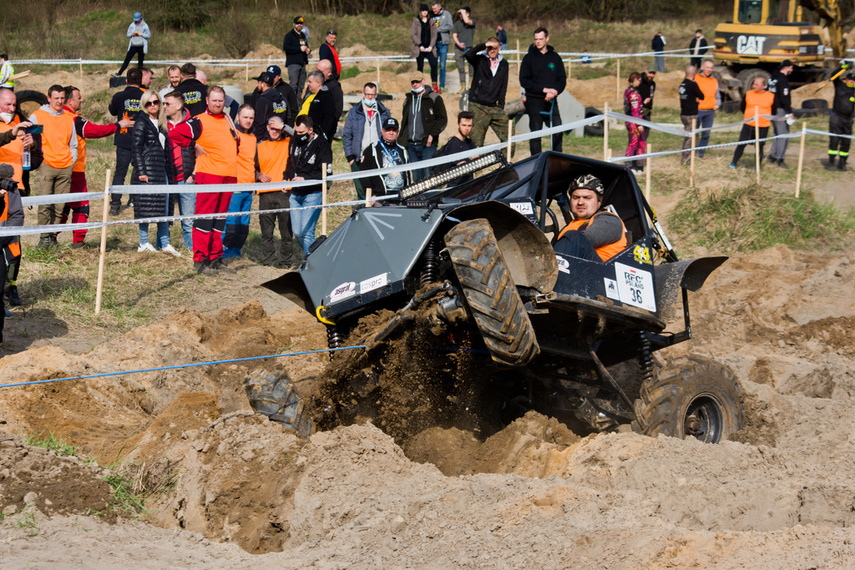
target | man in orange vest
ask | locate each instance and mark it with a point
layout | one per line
(760, 102)
(11, 215)
(594, 234)
(271, 159)
(59, 146)
(217, 164)
(79, 211)
(709, 104)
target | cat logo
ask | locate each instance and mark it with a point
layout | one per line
(641, 254)
(750, 45)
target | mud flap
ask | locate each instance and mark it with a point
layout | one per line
(670, 278)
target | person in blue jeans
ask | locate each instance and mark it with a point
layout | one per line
(183, 131)
(309, 152)
(444, 24)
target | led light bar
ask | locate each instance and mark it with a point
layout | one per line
(473, 165)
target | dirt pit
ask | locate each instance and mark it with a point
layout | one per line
(243, 491)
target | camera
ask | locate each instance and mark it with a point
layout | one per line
(8, 184)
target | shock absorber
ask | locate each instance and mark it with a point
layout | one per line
(335, 338)
(430, 271)
(645, 358)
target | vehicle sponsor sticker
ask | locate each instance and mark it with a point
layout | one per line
(563, 264)
(641, 254)
(611, 289)
(524, 208)
(635, 287)
(373, 283)
(343, 291)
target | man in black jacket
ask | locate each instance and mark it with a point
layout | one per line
(543, 77)
(690, 95)
(842, 111)
(780, 86)
(296, 48)
(308, 152)
(423, 121)
(647, 90)
(698, 47)
(321, 106)
(487, 94)
(268, 104)
(288, 94)
(385, 153)
(328, 52)
(332, 85)
(195, 92)
(460, 142)
(124, 105)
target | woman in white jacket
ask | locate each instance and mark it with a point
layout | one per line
(139, 34)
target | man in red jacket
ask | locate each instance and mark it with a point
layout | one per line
(79, 211)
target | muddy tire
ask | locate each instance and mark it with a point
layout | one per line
(271, 393)
(491, 293)
(691, 397)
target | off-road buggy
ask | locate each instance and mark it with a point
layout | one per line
(470, 270)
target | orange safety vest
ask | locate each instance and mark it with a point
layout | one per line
(606, 251)
(11, 153)
(55, 138)
(273, 159)
(246, 158)
(708, 86)
(15, 246)
(217, 140)
(764, 103)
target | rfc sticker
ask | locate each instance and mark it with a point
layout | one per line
(343, 291)
(373, 283)
(563, 265)
(635, 287)
(641, 254)
(611, 289)
(524, 208)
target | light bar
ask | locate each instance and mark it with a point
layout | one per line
(429, 183)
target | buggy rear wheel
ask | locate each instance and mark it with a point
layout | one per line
(491, 293)
(691, 397)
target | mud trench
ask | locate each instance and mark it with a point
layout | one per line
(429, 464)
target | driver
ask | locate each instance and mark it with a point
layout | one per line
(594, 234)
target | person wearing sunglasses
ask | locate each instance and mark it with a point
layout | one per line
(152, 166)
(487, 94)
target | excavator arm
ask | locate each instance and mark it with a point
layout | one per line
(832, 19)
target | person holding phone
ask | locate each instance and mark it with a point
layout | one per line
(139, 35)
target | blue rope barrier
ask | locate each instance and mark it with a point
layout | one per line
(177, 366)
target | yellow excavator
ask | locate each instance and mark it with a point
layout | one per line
(763, 33)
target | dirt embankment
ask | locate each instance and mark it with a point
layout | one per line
(779, 496)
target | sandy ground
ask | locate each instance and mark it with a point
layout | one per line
(240, 491)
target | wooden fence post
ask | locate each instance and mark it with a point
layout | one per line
(692, 156)
(649, 162)
(801, 160)
(100, 283)
(757, 139)
(324, 199)
(606, 130)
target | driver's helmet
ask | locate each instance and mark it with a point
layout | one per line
(588, 181)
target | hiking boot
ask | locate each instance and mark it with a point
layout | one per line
(114, 210)
(831, 160)
(200, 266)
(842, 164)
(45, 243)
(771, 159)
(219, 266)
(782, 164)
(12, 294)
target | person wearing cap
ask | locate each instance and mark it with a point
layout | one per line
(362, 129)
(424, 119)
(594, 234)
(269, 103)
(328, 52)
(543, 77)
(320, 106)
(386, 153)
(139, 35)
(296, 48)
(842, 112)
(424, 36)
(287, 92)
(271, 162)
(780, 86)
(488, 91)
(308, 152)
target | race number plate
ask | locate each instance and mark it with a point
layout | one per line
(635, 287)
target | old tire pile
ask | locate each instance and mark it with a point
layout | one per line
(271, 393)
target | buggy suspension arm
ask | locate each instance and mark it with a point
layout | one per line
(405, 314)
(605, 375)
